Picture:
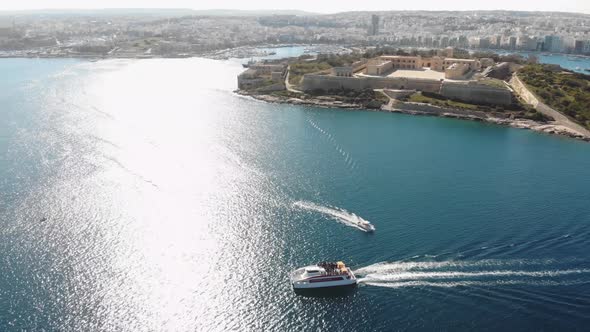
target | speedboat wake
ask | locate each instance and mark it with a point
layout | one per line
(338, 214)
(468, 273)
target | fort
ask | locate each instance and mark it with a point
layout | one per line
(453, 78)
(468, 91)
(263, 76)
(441, 72)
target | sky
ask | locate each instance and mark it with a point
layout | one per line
(320, 6)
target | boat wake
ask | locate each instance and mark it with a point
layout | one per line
(469, 273)
(338, 214)
(348, 159)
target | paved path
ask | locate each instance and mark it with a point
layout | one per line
(389, 106)
(563, 120)
(288, 85)
(560, 118)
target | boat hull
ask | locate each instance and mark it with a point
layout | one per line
(326, 291)
(324, 284)
(323, 276)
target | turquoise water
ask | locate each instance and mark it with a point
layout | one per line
(577, 64)
(285, 52)
(572, 62)
(146, 196)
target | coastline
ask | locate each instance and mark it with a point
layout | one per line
(240, 52)
(98, 56)
(422, 109)
(542, 127)
(314, 102)
(553, 128)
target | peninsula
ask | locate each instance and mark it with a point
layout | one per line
(508, 90)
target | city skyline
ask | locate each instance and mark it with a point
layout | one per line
(329, 6)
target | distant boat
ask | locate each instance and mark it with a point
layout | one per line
(587, 69)
(272, 53)
(367, 226)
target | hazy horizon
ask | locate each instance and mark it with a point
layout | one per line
(295, 10)
(324, 7)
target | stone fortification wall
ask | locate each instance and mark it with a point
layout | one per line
(524, 93)
(245, 82)
(397, 94)
(358, 65)
(418, 84)
(271, 88)
(476, 93)
(435, 110)
(472, 92)
(326, 82)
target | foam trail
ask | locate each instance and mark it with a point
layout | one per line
(393, 267)
(347, 157)
(340, 215)
(477, 283)
(469, 273)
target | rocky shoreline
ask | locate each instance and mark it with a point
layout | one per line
(315, 102)
(547, 128)
(328, 102)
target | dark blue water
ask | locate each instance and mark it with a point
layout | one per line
(145, 196)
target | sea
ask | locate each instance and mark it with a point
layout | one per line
(144, 195)
(573, 62)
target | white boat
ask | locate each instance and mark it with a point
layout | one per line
(323, 275)
(367, 226)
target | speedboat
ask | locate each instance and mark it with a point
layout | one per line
(366, 226)
(323, 275)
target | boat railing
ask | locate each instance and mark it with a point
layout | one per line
(334, 273)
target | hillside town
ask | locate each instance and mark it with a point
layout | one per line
(189, 33)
